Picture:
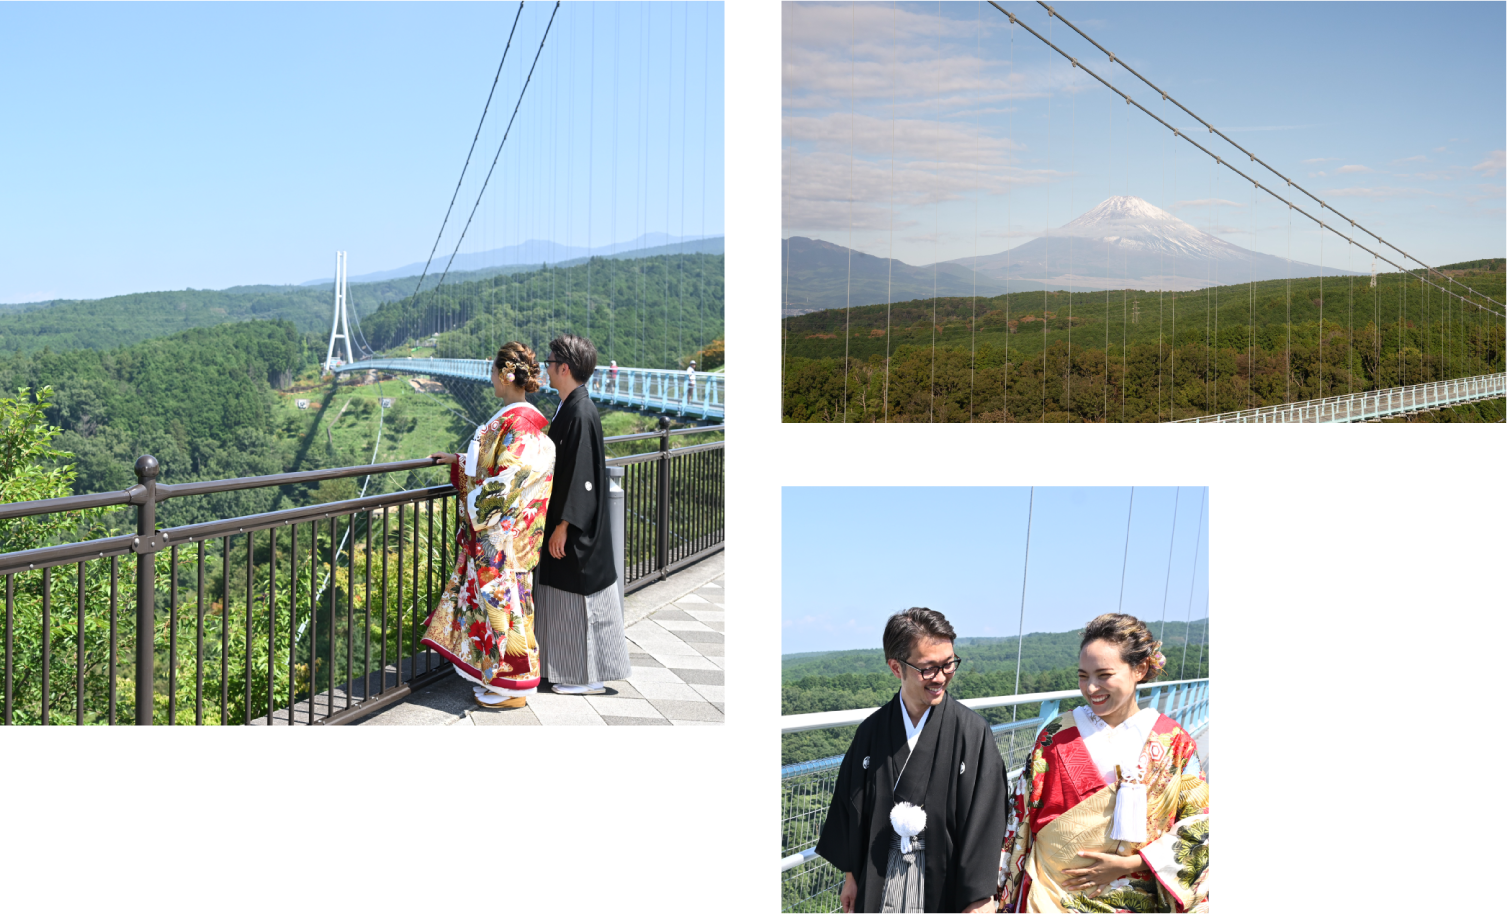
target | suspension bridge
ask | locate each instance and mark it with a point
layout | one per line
(1442, 349)
(670, 297)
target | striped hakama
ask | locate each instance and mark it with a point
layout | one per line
(581, 638)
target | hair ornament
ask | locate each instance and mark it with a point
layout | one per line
(1158, 662)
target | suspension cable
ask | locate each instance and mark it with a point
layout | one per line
(1221, 161)
(505, 133)
(852, 134)
(1213, 130)
(889, 277)
(1167, 581)
(462, 178)
(1125, 560)
(1193, 579)
(1025, 566)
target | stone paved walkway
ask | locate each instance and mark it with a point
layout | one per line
(675, 630)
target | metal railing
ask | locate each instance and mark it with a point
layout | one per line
(300, 616)
(1373, 404)
(672, 502)
(810, 883)
(672, 392)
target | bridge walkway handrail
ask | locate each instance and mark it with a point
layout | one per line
(1371, 404)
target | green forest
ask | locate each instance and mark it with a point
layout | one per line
(844, 680)
(651, 312)
(1136, 356)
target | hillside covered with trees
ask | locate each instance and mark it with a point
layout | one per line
(844, 680)
(1135, 356)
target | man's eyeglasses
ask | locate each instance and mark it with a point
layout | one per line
(932, 672)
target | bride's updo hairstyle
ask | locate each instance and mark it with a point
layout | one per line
(518, 360)
(1131, 636)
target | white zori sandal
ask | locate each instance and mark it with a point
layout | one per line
(489, 699)
(590, 688)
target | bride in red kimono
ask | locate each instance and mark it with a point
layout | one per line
(1112, 812)
(484, 623)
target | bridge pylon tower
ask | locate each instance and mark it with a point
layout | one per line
(340, 328)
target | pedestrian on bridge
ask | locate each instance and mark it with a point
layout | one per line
(1112, 811)
(484, 622)
(580, 610)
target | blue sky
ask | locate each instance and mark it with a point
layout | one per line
(851, 556)
(204, 145)
(1391, 112)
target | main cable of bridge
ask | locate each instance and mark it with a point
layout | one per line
(469, 152)
(521, 92)
(1290, 183)
(1321, 224)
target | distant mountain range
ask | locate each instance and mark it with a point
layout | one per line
(1122, 243)
(534, 252)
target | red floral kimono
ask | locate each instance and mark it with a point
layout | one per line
(484, 623)
(1062, 804)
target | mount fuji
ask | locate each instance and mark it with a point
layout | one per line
(1126, 242)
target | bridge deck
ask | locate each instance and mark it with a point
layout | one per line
(1373, 405)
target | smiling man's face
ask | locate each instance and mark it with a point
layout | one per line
(919, 693)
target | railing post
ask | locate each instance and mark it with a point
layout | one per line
(146, 585)
(662, 531)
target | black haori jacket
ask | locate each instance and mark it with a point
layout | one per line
(579, 497)
(957, 776)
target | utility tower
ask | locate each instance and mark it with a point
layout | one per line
(340, 329)
(1135, 312)
(1373, 274)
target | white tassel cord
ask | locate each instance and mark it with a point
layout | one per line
(1130, 813)
(909, 820)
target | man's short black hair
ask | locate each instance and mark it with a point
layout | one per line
(577, 353)
(908, 626)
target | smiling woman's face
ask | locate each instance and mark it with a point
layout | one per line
(1107, 681)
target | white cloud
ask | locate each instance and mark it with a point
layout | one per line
(1410, 159)
(1352, 170)
(1491, 165)
(1208, 201)
(1438, 148)
(1316, 161)
(1374, 192)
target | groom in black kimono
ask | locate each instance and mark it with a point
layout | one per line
(578, 613)
(925, 749)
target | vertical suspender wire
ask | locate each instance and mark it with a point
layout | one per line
(1287, 395)
(1161, 256)
(1125, 560)
(1402, 325)
(1198, 541)
(591, 172)
(1072, 211)
(1212, 291)
(936, 240)
(1167, 581)
(1046, 253)
(685, 41)
(1250, 339)
(1108, 261)
(889, 276)
(1009, 227)
(1321, 311)
(1350, 314)
(852, 134)
(669, 132)
(1172, 393)
(973, 324)
(1020, 638)
(1202, 642)
(640, 188)
(1124, 291)
(612, 346)
(706, 53)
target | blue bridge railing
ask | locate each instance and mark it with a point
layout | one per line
(660, 390)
